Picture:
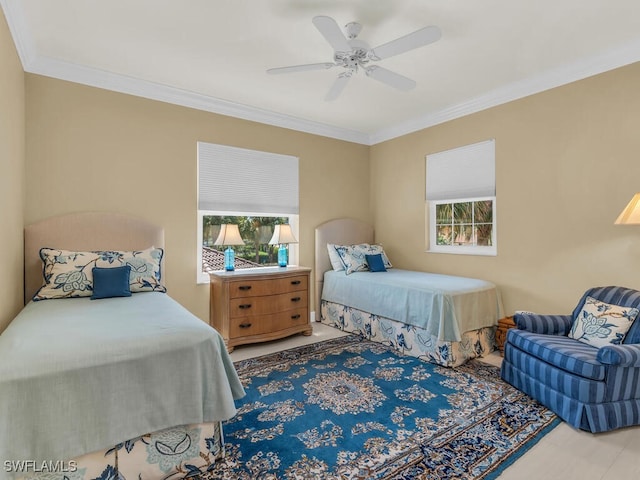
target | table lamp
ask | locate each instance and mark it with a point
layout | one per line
(282, 236)
(631, 213)
(229, 235)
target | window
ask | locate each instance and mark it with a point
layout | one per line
(464, 223)
(461, 200)
(256, 231)
(254, 190)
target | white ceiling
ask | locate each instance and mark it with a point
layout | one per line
(213, 54)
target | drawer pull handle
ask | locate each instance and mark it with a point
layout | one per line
(244, 325)
(244, 306)
(295, 282)
(295, 299)
(295, 317)
(244, 287)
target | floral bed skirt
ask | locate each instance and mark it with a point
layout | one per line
(408, 339)
(186, 451)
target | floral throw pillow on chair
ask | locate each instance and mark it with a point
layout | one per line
(599, 324)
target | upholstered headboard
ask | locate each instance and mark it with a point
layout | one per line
(84, 232)
(341, 231)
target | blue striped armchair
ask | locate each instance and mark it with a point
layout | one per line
(594, 388)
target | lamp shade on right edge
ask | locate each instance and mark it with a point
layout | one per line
(631, 213)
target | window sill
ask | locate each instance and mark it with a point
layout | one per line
(482, 251)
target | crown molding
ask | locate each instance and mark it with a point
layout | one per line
(142, 88)
(33, 63)
(619, 57)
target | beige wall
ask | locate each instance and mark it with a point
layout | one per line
(94, 150)
(567, 162)
(12, 158)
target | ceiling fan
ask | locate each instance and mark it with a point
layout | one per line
(351, 54)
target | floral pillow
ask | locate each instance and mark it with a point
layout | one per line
(145, 273)
(367, 249)
(352, 259)
(68, 274)
(354, 256)
(599, 324)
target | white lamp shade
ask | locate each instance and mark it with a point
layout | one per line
(631, 213)
(229, 235)
(282, 234)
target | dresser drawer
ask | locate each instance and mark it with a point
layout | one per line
(261, 324)
(248, 326)
(248, 306)
(292, 318)
(256, 288)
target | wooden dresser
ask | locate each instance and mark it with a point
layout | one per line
(256, 305)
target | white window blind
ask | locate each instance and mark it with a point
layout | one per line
(463, 172)
(234, 179)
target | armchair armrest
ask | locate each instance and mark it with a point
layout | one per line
(625, 355)
(545, 324)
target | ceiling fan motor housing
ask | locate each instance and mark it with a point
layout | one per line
(357, 57)
(353, 59)
(352, 29)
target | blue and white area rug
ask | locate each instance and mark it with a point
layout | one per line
(349, 408)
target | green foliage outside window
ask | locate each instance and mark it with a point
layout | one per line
(255, 232)
(465, 223)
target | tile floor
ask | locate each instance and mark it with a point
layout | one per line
(564, 453)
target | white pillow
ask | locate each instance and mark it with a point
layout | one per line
(600, 324)
(334, 258)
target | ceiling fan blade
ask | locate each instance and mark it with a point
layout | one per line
(390, 78)
(330, 30)
(301, 68)
(419, 38)
(337, 87)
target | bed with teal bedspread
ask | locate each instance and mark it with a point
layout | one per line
(127, 388)
(444, 306)
(444, 319)
(78, 376)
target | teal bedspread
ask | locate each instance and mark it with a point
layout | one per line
(79, 375)
(443, 305)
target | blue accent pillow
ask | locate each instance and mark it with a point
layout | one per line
(111, 282)
(376, 263)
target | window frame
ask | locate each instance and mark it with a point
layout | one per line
(486, 250)
(294, 221)
(234, 181)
